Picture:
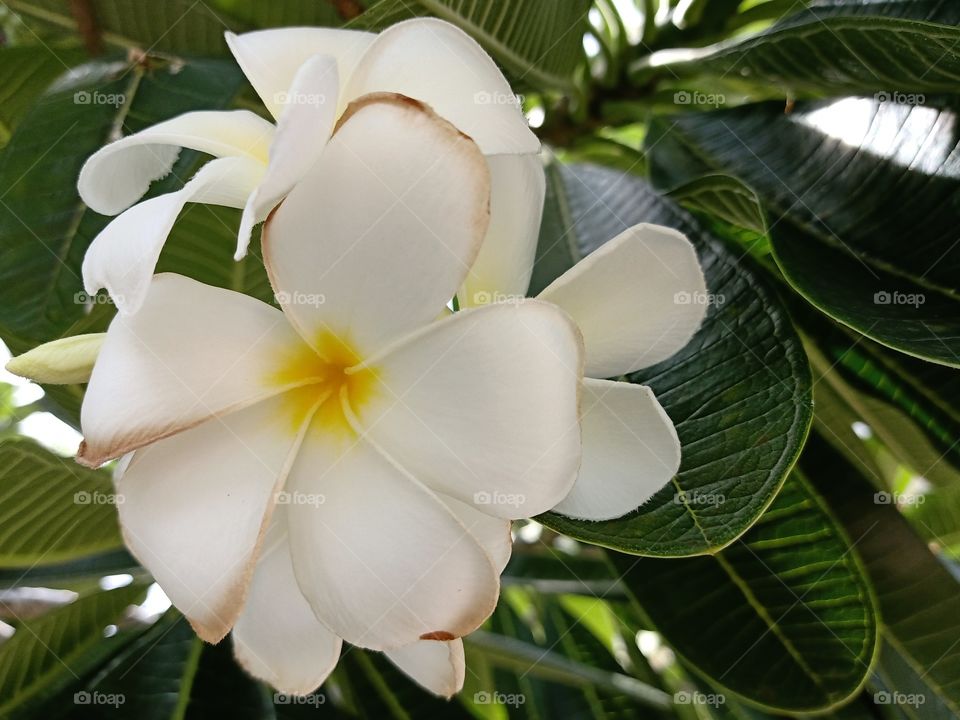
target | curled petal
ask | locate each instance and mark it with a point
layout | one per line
(124, 255)
(118, 175)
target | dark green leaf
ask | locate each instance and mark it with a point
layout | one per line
(783, 618)
(739, 393)
(845, 186)
(53, 651)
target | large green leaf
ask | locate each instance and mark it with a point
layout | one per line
(784, 618)
(25, 72)
(45, 226)
(840, 47)
(540, 44)
(168, 674)
(910, 406)
(53, 651)
(860, 197)
(919, 598)
(739, 393)
(51, 509)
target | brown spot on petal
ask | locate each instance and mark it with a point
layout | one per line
(438, 635)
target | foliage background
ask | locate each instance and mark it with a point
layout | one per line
(803, 561)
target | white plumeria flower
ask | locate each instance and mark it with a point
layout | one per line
(324, 471)
(638, 299)
(307, 78)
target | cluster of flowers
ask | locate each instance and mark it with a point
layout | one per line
(387, 189)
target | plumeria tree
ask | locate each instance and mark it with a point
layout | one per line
(487, 359)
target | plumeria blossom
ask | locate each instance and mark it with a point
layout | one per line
(310, 475)
(307, 78)
(637, 300)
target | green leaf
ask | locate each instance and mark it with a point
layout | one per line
(833, 178)
(784, 618)
(169, 674)
(840, 47)
(51, 509)
(74, 573)
(45, 226)
(919, 598)
(726, 198)
(177, 26)
(739, 393)
(539, 44)
(911, 407)
(25, 72)
(53, 651)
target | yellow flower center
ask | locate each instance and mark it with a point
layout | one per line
(332, 380)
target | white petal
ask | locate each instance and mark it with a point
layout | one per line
(628, 299)
(502, 269)
(630, 451)
(271, 58)
(436, 665)
(377, 239)
(482, 406)
(124, 255)
(194, 508)
(437, 63)
(302, 133)
(116, 176)
(191, 353)
(493, 533)
(382, 561)
(277, 637)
